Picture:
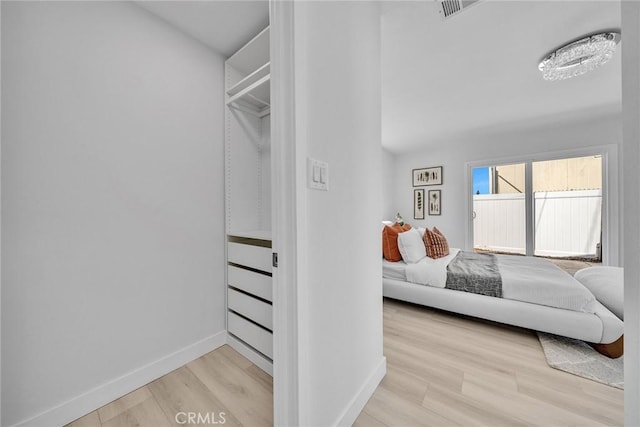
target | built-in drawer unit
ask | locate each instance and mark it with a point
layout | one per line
(252, 334)
(252, 308)
(252, 282)
(249, 296)
(248, 255)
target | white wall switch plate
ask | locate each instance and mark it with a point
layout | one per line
(317, 174)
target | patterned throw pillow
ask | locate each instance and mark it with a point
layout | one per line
(435, 243)
(390, 249)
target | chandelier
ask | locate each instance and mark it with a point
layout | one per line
(579, 57)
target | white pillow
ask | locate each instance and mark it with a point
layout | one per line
(421, 231)
(411, 246)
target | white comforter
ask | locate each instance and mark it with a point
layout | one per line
(527, 279)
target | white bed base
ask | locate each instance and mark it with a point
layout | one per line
(603, 327)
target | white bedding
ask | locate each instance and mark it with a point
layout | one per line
(527, 279)
(429, 271)
(394, 270)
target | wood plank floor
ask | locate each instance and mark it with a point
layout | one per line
(220, 384)
(442, 370)
(445, 369)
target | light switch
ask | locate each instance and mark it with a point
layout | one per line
(317, 174)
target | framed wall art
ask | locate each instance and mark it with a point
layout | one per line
(435, 202)
(427, 176)
(418, 204)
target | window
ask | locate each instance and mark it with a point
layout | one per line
(568, 207)
(499, 215)
(554, 207)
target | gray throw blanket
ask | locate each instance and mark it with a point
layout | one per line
(476, 273)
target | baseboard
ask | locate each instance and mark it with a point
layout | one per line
(359, 401)
(106, 393)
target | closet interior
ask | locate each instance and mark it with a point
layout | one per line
(248, 202)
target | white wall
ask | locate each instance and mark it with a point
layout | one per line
(112, 213)
(631, 207)
(388, 173)
(337, 66)
(0, 221)
(454, 155)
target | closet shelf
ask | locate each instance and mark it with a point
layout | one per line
(254, 98)
(251, 234)
(252, 55)
(252, 78)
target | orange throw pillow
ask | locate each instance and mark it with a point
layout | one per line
(435, 243)
(390, 233)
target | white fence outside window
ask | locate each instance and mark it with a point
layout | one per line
(567, 223)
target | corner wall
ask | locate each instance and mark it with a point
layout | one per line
(112, 205)
(337, 100)
(388, 172)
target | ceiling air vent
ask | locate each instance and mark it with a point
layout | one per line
(448, 8)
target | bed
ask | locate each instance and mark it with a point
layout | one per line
(530, 297)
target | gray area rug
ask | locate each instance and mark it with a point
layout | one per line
(578, 358)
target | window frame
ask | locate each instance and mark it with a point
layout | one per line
(611, 219)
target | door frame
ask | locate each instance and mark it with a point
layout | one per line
(285, 215)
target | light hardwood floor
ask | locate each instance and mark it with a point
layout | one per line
(220, 384)
(445, 369)
(442, 370)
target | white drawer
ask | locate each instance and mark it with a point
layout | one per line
(256, 257)
(253, 335)
(256, 310)
(251, 282)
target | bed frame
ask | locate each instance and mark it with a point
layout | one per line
(602, 328)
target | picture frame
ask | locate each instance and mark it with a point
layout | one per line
(435, 202)
(418, 204)
(427, 176)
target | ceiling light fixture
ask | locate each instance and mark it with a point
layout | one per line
(579, 57)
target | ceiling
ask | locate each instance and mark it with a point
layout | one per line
(225, 26)
(445, 80)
